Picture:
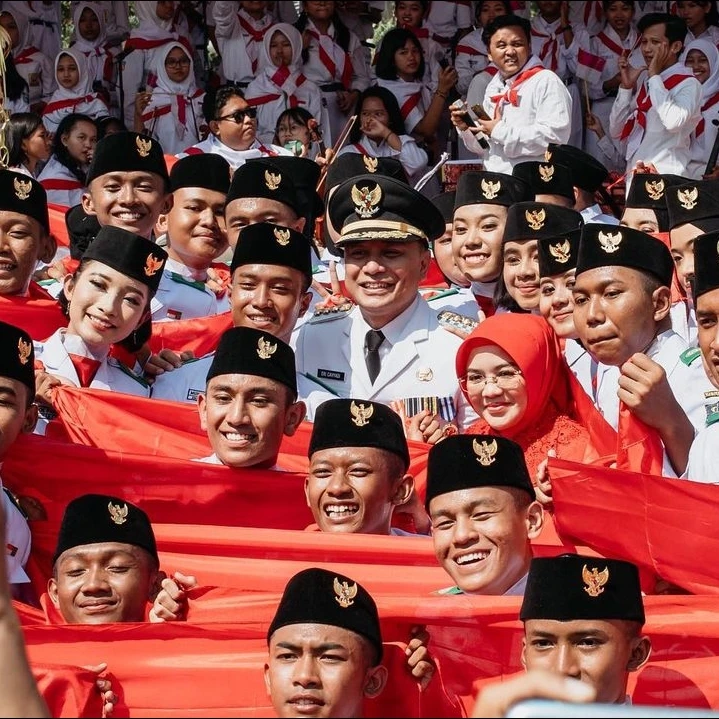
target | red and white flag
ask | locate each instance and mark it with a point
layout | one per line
(589, 66)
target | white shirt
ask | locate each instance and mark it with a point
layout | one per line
(411, 155)
(234, 157)
(470, 58)
(581, 364)
(445, 18)
(670, 122)
(62, 187)
(594, 214)
(564, 57)
(18, 540)
(703, 463)
(542, 115)
(604, 45)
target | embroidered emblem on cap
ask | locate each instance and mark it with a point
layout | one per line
(345, 592)
(485, 451)
(561, 251)
(118, 514)
(535, 218)
(143, 146)
(490, 189)
(655, 189)
(23, 351)
(609, 241)
(361, 413)
(366, 200)
(22, 188)
(425, 374)
(547, 155)
(265, 349)
(595, 580)
(546, 172)
(282, 236)
(688, 198)
(272, 180)
(152, 265)
(370, 163)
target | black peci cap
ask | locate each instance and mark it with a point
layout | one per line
(17, 360)
(706, 263)
(25, 195)
(316, 596)
(305, 174)
(571, 586)
(546, 178)
(261, 178)
(490, 188)
(615, 245)
(539, 220)
(245, 350)
(81, 229)
(648, 190)
(588, 173)
(358, 423)
(468, 461)
(99, 518)
(129, 254)
(208, 171)
(351, 164)
(127, 152)
(444, 202)
(692, 201)
(558, 255)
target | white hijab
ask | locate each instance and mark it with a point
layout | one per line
(709, 50)
(267, 83)
(23, 29)
(81, 44)
(150, 26)
(84, 84)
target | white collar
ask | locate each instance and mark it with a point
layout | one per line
(176, 267)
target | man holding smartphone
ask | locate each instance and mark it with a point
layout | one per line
(526, 105)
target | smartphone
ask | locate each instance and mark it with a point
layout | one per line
(480, 112)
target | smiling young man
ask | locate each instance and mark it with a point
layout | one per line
(583, 618)
(484, 514)
(105, 565)
(528, 106)
(657, 118)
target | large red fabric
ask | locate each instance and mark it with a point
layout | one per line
(58, 228)
(199, 335)
(665, 525)
(39, 315)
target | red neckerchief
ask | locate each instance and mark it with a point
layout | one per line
(255, 38)
(182, 101)
(85, 367)
(360, 149)
(617, 49)
(511, 95)
(644, 103)
(486, 304)
(72, 102)
(467, 50)
(713, 100)
(410, 103)
(595, 5)
(421, 33)
(141, 43)
(551, 45)
(326, 59)
(25, 56)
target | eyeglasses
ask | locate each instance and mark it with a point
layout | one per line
(182, 62)
(504, 379)
(238, 116)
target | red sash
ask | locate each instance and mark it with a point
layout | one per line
(467, 50)
(255, 37)
(25, 56)
(617, 49)
(267, 151)
(551, 45)
(713, 100)
(141, 43)
(511, 95)
(409, 104)
(279, 79)
(346, 75)
(72, 102)
(644, 103)
(360, 149)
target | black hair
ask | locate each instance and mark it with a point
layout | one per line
(105, 123)
(712, 17)
(507, 7)
(297, 114)
(503, 299)
(61, 153)
(342, 33)
(394, 40)
(606, 4)
(507, 21)
(675, 28)
(396, 123)
(15, 85)
(216, 99)
(22, 126)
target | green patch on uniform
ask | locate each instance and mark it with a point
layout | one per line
(175, 277)
(113, 362)
(689, 355)
(433, 295)
(712, 413)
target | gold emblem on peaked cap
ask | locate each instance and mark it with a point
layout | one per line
(282, 236)
(23, 351)
(153, 264)
(561, 251)
(370, 163)
(272, 180)
(485, 451)
(609, 241)
(490, 189)
(655, 189)
(22, 188)
(144, 145)
(366, 200)
(361, 413)
(345, 593)
(265, 349)
(688, 198)
(595, 580)
(535, 218)
(118, 514)
(546, 172)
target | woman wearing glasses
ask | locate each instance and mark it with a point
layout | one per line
(172, 111)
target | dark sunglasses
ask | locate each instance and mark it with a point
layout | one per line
(238, 116)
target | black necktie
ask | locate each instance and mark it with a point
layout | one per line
(373, 340)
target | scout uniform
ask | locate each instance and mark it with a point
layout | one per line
(17, 362)
(182, 293)
(546, 178)
(474, 460)
(411, 357)
(704, 453)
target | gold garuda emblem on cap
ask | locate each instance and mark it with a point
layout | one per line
(609, 241)
(282, 236)
(345, 593)
(118, 514)
(490, 189)
(655, 189)
(22, 188)
(23, 351)
(272, 180)
(153, 264)
(370, 163)
(561, 251)
(265, 348)
(485, 451)
(547, 155)
(361, 413)
(546, 172)
(535, 218)
(688, 198)
(595, 580)
(143, 146)
(366, 200)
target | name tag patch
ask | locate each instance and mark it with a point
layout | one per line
(174, 314)
(193, 394)
(331, 374)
